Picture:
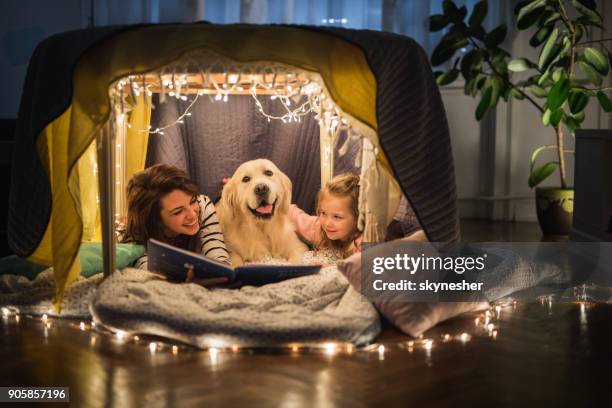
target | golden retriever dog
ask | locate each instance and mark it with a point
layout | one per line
(253, 214)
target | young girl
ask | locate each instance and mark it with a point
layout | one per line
(163, 203)
(335, 226)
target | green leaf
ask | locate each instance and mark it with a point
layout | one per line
(591, 14)
(604, 101)
(447, 77)
(437, 22)
(449, 8)
(546, 117)
(590, 72)
(470, 63)
(478, 14)
(462, 14)
(540, 36)
(597, 60)
(557, 74)
(520, 5)
(484, 104)
(469, 87)
(539, 150)
(571, 123)
(480, 81)
(558, 94)
(544, 79)
(541, 173)
(516, 94)
(447, 47)
(589, 3)
(548, 47)
(549, 19)
(496, 87)
(538, 91)
(520, 65)
(580, 117)
(453, 13)
(556, 116)
(577, 101)
(529, 14)
(496, 36)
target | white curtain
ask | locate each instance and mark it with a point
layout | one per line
(406, 17)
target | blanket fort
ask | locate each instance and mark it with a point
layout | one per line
(377, 85)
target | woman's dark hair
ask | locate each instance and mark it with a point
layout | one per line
(144, 193)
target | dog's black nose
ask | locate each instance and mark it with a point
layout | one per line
(262, 189)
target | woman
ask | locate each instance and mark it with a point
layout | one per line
(164, 204)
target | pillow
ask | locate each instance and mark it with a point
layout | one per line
(92, 261)
(412, 318)
(90, 255)
(14, 265)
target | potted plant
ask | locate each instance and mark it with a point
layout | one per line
(568, 74)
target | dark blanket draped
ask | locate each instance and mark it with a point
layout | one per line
(219, 136)
(411, 124)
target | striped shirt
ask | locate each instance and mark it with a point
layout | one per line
(210, 236)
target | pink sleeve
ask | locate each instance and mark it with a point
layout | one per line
(308, 226)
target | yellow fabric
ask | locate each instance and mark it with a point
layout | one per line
(136, 143)
(88, 195)
(342, 66)
(62, 238)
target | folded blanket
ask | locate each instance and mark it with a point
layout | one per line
(309, 309)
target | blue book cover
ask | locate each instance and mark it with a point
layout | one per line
(174, 263)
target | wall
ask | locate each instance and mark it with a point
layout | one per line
(23, 24)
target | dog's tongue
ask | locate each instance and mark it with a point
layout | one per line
(264, 209)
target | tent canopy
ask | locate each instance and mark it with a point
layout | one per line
(382, 80)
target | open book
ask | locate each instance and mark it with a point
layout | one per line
(174, 263)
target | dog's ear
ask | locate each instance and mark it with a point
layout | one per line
(287, 188)
(228, 199)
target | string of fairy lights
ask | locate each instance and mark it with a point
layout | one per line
(486, 324)
(298, 93)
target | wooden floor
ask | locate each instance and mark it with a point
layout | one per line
(539, 354)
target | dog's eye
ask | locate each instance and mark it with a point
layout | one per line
(268, 173)
(246, 179)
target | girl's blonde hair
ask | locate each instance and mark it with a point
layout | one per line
(343, 185)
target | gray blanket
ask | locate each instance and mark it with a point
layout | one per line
(310, 309)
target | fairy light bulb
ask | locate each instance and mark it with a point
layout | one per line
(213, 355)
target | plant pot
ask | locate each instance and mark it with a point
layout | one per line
(555, 207)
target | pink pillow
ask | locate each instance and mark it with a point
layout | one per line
(412, 318)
